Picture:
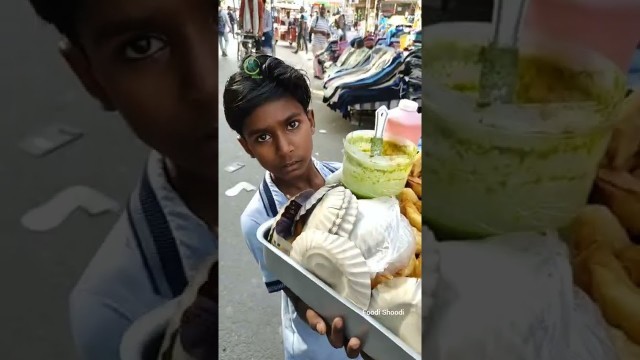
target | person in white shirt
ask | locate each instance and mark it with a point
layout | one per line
(224, 26)
(320, 28)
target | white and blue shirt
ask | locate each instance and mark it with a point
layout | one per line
(121, 283)
(299, 340)
(320, 23)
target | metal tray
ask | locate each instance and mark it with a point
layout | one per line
(378, 342)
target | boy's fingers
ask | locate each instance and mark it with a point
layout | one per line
(336, 336)
(353, 348)
(316, 322)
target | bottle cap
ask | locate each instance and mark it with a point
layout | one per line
(408, 105)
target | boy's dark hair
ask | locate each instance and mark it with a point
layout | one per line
(62, 14)
(245, 90)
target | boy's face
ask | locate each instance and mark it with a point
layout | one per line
(155, 62)
(279, 135)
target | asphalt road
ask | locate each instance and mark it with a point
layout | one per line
(250, 325)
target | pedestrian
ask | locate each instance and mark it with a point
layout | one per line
(232, 20)
(267, 105)
(320, 28)
(224, 26)
(164, 83)
(301, 38)
(315, 14)
(267, 31)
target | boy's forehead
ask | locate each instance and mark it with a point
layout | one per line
(273, 113)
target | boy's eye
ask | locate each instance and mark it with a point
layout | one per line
(263, 137)
(143, 47)
(294, 124)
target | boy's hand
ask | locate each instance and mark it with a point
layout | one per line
(335, 332)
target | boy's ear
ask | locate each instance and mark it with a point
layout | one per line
(312, 120)
(80, 66)
(245, 146)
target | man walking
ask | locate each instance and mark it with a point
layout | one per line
(267, 31)
(320, 29)
(223, 30)
(302, 33)
(232, 20)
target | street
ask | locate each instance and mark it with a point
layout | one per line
(250, 317)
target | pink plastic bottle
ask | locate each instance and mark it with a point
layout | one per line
(405, 121)
(610, 27)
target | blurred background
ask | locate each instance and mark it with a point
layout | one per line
(39, 268)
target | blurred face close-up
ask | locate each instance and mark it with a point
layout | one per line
(155, 62)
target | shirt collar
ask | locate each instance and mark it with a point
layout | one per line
(195, 241)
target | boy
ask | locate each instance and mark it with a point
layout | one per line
(267, 104)
(154, 62)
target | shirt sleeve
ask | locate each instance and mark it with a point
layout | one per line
(97, 326)
(249, 230)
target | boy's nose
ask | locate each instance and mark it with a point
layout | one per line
(283, 145)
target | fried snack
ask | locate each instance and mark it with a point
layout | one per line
(415, 184)
(417, 270)
(416, 169)
(403, 208)
(408, 270)
(419, 207)
(596, 224)
(630, 259)
(625, 139)
(626, 349)
(407, 195)
(621, 193)
(418, 237)
(379, 279)
(412, 214)
(616, 295)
